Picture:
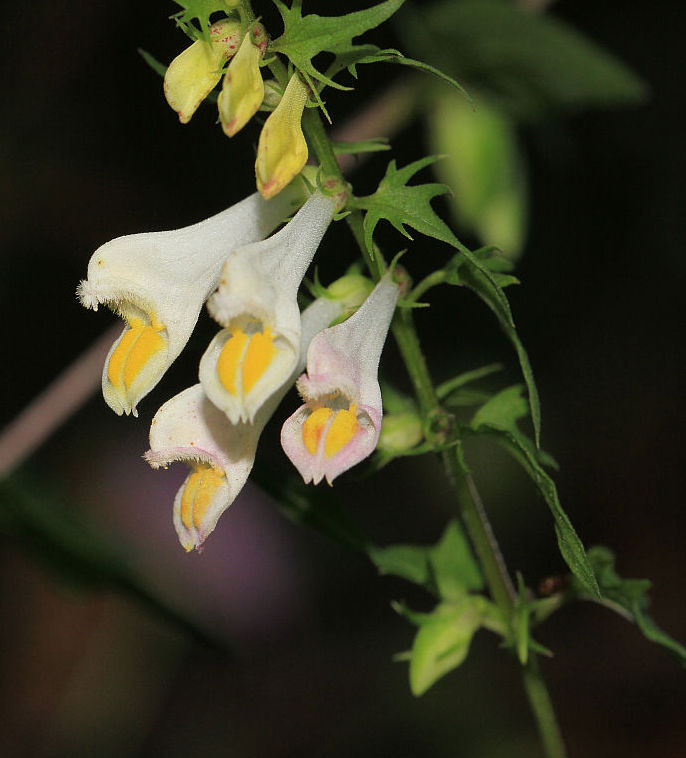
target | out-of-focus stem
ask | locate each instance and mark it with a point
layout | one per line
(58, 401)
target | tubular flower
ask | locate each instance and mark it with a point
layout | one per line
(158, 281)
(254, 355)
(339, 424)
(194, 73)
(220, 454)
(282, 150)
(243, 89)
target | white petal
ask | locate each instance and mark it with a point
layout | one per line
(163, 278)
(191, 429)
(258, 290)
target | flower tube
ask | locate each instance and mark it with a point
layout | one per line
(158, 281)
(191, 429)
(195, 72)
(282, 149)
(340, 423)
(255, 354)
(243, 88)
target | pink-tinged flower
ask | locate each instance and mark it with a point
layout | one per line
(340, 423)
(255, 354)
(191, 429)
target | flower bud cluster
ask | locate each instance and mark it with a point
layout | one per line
(194, 73)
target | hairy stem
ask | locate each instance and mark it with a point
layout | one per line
(438, 422)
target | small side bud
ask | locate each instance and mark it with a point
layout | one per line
(400, 432)
(350, 290)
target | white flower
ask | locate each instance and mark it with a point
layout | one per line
(158, 281)
(191, 429)
(255, 354)
(339, 424)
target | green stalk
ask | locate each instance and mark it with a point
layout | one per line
(439, 424)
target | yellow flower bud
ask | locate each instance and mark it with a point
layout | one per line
(243, 89)
(194, 73)
(282, 150)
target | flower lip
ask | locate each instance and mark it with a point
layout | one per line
(257, 351)
(158, 281)
(340, 423)
(191, 429)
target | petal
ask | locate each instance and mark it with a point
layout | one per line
(158, 281)
(190, 428)
(194, 73)
(340, 424)
(282, 149)
(243, 88)
(315, 467)
(257, 303)
(346, 356)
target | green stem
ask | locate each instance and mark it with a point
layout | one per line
(432, 280)
(437, 421)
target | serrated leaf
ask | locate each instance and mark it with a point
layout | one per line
(498, 420)
(406, 561)
(402, 205)
(630, 596)
(200, 11)
(532, 63)
(304, 37)
(454, 569)
(442, 643)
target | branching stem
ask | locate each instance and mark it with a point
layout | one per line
(438, 422)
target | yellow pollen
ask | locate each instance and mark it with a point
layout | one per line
(201, 487)
(258, 356)
(343, 428)
(138, 345)
(230, 359)
(314, 427)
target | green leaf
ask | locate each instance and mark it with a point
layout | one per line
(443, 641)
(454, 569)
(406, 561)
(498, 420)
(155, 65)
(461, 380)
(199, 10)
(532, 63)
(374, 145)
(402, 205)
(484, 168)
(628, 597)
(472, 279)
(304, 37)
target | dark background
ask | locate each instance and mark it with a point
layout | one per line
(89, 151)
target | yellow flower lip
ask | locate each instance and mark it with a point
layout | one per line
(336, 427)
(282, 149)
(243, 88)
(195, 72)
(199, 491)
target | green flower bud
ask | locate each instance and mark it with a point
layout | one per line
(351, 290)
(400, 432)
